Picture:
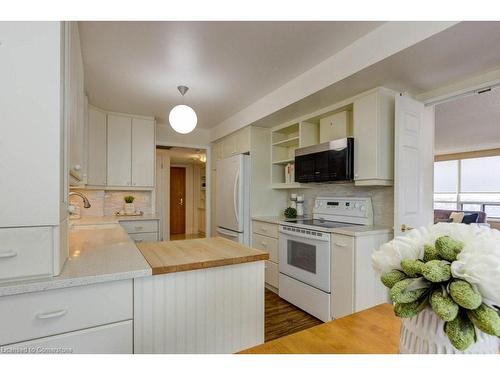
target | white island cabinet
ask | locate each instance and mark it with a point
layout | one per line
(205, 296)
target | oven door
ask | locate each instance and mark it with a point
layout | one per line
(304, 258)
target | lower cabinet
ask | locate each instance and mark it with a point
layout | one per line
(355, 284)
(142, 230)
(116, 338)
(265, 238)
(84, 318)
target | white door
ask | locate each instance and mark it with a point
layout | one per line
(228, 194)
(119, 150)
(413, 165)
(143, 152)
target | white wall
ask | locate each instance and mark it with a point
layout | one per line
(166, 136)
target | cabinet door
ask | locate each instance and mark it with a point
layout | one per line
(119, 150)
(365, 119)
(242, 140)
(342, 275)
(97, 148)
(143, 152)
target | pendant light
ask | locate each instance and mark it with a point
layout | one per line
(183, 118)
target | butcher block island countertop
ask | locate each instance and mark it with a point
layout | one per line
(186, 255)
(371, 331)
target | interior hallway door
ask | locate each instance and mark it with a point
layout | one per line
(177, 200)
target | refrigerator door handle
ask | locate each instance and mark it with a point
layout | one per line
(235, 195)
(227, 233)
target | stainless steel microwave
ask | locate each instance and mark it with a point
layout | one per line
(331, 161)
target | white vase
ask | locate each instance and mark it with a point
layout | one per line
(424, 334)
(129, 208)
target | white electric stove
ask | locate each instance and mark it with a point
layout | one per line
(305, 251)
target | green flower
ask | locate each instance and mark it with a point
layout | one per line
(461, 332)
(486, 319)
(430, 253)
(392, 277)
(436, 271)
(463, 294)
(409, 310)
(399, 294)
(448, 248)
(444, 307)
(411, 267)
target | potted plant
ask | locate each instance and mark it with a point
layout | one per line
(444, 281)
(129, 204)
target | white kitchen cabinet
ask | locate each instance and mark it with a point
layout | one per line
(143, 152)
(265, 238)
(335, 126)
(76, 107)
(355, 284)
(116, 338)
(373, 130)
(142, 230)
(119, 160)
(97, 135)
(233, 144)
(34, 157)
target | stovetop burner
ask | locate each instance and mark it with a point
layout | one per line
(320, 223)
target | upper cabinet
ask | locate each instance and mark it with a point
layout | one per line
(76, 107)
(119, 166)
(233, 144)
(130, 151)
(143, 152)
(97, 134)
(373, 130)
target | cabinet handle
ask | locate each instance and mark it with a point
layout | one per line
(138, 241)
(138, 228)
(77, 167)
(53, 314)
(340, 244)
(264, 244)
(8, 254)
(263, 229)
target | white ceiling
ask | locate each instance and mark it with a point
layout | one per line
(468, 123)
(135, 67)
(459, 52)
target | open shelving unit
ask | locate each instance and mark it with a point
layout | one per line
(284, 141)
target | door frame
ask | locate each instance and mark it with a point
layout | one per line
(208, 180)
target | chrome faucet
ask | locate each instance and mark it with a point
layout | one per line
(86, 203)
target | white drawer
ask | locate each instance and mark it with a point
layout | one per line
(116, 338)
(268, 244)
(26, 252)
(272, 274)
(342, 242)
(34, 315)
(140, 226)
(144, 237)
(266, 229)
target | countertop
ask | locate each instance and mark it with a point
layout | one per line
(274, 219)
(113, 219)
(97, 253)
(372, 331)
(178, 256)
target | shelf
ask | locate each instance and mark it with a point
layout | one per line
(293, 185)
(293, 141)
(284, 161)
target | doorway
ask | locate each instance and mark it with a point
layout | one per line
(180, 192)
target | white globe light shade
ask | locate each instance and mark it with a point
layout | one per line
(183, 119)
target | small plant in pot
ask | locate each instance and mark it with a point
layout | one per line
(129, 204)
(290, 213)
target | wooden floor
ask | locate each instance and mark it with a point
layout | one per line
(184, 236)
(283, 318)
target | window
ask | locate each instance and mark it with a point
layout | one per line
(468, 185)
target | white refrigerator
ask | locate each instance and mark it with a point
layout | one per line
(232, 198)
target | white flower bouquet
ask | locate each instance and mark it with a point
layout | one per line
(454, 269)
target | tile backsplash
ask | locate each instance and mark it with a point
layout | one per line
(382, 198)
(107, 202)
